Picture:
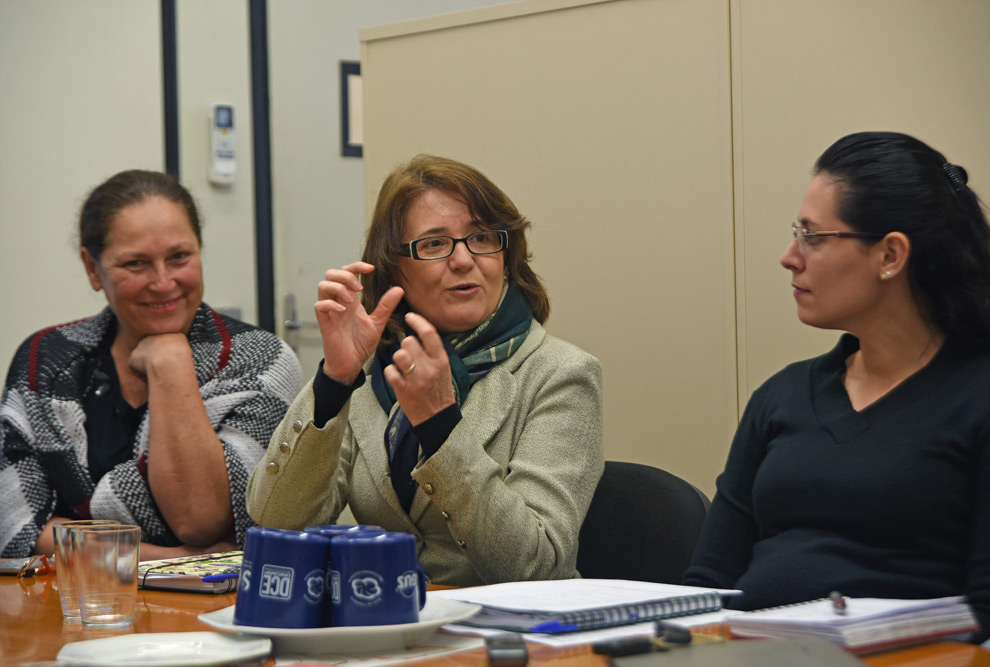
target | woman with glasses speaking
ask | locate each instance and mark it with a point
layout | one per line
(867, 470)
(442, 406)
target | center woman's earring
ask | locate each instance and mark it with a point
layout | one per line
(885, 275)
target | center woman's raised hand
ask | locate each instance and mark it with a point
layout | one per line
(420, 372)
(350, 335)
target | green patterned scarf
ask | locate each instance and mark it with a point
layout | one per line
(472, 353)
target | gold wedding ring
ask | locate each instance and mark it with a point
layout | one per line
(412, 367)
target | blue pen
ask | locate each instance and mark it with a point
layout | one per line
(221, 577)
(554, 626)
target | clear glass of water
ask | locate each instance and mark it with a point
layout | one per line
(106, 570)
(65, 563)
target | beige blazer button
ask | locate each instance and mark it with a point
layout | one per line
(446, 517)
(297, 426)
(284, 447)
(428, 488)
(462, 544)
(272, 467)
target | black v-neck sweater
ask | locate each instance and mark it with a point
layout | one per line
(891, 501)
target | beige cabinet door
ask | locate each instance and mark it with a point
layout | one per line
(809, 73)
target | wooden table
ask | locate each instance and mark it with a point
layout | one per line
(32, 630)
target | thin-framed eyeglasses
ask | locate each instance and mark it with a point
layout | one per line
(484, 242)
(807, 239)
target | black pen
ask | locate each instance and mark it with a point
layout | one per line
(838, 603)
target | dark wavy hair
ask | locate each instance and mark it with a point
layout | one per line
(489, 206)
(891, 182)
(122, 190)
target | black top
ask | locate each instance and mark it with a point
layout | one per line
(891, 501)
(111, 422)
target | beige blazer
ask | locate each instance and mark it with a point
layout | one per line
(502, 500)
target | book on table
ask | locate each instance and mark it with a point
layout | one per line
(865, 625)
(206, 573)
(570, 605)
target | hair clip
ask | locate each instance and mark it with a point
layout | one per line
(957, 175)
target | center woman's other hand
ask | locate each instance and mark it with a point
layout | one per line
(350, 335)
(420, 372)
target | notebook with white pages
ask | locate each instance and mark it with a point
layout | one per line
(864, 625)
(571, 605)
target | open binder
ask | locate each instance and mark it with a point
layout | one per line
(208, 573)
(865, 625)
(570, 605)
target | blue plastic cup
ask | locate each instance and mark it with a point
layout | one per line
(283, 579)
(375, 579)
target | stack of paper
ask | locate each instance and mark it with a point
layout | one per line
(866, 624)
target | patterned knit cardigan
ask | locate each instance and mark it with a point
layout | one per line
(247, 378)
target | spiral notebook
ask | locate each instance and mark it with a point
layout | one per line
(865, 625)
(571, 605)
(208, 573)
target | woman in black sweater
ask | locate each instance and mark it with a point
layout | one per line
(867, 470)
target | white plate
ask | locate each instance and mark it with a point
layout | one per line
(354, 639)
(200, 649)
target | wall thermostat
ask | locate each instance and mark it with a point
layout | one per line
(223, 145)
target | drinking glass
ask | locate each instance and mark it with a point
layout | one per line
(65, 562)
(106, 569)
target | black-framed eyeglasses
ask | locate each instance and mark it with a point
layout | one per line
(484, 242)
(807, 238)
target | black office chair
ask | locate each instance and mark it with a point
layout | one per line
(643, 524)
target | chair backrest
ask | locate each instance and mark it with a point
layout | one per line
(643, 525)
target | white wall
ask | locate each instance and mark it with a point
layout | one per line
(81, 100)
(214, 68)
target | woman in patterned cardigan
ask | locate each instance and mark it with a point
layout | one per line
(152, 412)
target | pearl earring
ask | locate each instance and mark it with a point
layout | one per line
(885, 275)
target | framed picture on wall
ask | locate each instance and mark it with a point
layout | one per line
(351, 124)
